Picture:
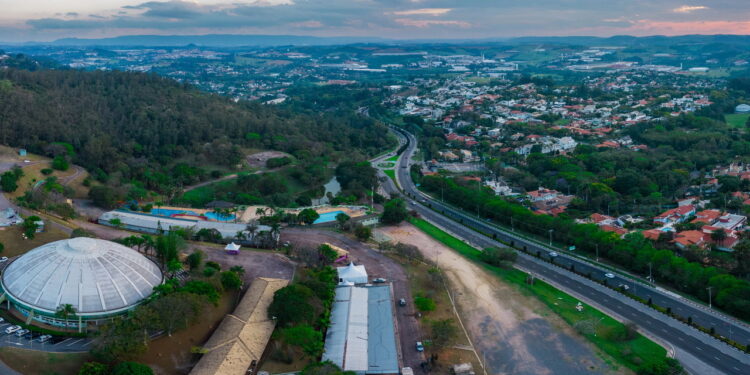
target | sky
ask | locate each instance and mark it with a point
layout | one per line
(47, 20)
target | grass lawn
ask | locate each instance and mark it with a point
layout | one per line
(31, 362)
(16, 245)
(391, 173)
(737, 120)
(393, 158)
(590, 322)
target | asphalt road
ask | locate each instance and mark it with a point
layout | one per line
(723, 358)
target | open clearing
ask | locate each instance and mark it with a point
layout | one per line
(31, 362)
(515, 333)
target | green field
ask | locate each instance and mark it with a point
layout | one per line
(737, 120)
(632, 353)
(391, 173)
(393, 158)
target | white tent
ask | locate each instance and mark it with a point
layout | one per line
(352, 274)
(232, 248)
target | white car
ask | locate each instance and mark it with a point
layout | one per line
(22, 332)
(44, 338)
(553, 254)
(12, 329)
(3, 259)
(609, 275)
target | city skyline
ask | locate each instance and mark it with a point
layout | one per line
(47, 20)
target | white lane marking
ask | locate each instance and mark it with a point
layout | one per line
(61, 342)
(74, 342)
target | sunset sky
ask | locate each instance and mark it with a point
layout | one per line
(44, 20)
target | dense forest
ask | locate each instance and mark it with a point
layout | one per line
(134, 128)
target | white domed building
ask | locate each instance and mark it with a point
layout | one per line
(100, 279)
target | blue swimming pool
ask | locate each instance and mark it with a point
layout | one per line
(168, 212)
(218, 217)
(328, 216)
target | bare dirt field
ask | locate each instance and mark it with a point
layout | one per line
(514, 333)
(258, 160)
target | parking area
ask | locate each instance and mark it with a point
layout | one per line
(50, 343)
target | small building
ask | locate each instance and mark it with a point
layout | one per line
(22, 152)
(232, 248)
(352, 274)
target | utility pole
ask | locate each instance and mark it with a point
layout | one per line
(709, 296)
(597, 252)
(512, 227)
(650, 278)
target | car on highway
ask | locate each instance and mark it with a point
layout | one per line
(22, 332)
(12, 329)
(553, 254)
(609, 275)
(3, 259)
(44, 338)
(402, 302)
(420, 347)
(378, 280)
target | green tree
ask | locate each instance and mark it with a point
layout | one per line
(60, 163)
(394, 212)
(305, 337)
(291, 304)
(8, 182)
(239, 270)
(308, 216)
(424, 304)
(93, 368)
(175, 311)
(202, 288)
(66, 312)
(30, 226)
(174, 266)
(104, 196)
(327, 253)
(230, 280)
(131, 368)
(363, 233)
(718, 236)
(342, 218)
(2, 247)
(195, 259)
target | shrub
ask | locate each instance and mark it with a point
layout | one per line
(424, 304)
(131, 368)
(230, 280)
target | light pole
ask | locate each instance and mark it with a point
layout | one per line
(650, 278)
(512, 227)
(597, 252)
(709, 296)
(550, 237)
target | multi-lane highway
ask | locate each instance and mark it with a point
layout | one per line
(689, 343)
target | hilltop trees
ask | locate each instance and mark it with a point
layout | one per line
(394, 212)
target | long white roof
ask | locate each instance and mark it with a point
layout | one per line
(95, 276)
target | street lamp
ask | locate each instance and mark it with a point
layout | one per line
(550, 236)
(709, 296)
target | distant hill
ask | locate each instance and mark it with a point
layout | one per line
(156, 131)
(237, 40)
(213, 40)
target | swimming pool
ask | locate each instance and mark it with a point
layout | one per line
(168, 212)
(328, 216)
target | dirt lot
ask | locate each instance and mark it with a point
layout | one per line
(514, 333)
(258, 160)
(378, 265)
(31, 362)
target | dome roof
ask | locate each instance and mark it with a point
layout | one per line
(95, 276)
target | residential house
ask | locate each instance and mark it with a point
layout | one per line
(675, 215)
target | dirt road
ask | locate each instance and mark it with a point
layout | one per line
(514, 333)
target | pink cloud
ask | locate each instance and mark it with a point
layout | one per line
(423, 12)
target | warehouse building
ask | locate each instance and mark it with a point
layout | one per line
(362, 336)
(99, 279)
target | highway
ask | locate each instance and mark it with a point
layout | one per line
(685, 339)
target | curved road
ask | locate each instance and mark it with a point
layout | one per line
(688, 343)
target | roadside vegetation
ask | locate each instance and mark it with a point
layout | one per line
(633, 253)
(621, 341)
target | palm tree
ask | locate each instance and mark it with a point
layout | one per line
(148, 243)
(260, 211)
(252, 227)
(239, 270)
(65, 311)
